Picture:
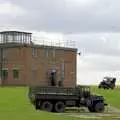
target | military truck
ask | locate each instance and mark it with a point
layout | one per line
(107, 83)
(56, 99)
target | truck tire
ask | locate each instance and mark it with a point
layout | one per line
(37, 104)
(91, 109)
(46, 106)
(59, 106)
(99, 86)
(99, 107)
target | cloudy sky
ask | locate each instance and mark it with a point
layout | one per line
(93, 24)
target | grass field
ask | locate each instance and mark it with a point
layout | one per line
(14, 105)
(112, 96)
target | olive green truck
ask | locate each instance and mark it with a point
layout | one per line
(56, 99)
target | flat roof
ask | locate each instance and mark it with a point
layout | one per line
(12, 45)
(3, 32)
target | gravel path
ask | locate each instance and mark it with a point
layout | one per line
(110, 112)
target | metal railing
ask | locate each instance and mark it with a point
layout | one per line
(54, 42)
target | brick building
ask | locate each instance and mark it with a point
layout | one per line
(24, 63)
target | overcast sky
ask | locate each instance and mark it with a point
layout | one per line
(93, 24)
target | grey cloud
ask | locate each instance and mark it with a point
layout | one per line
(100, 51)
(59, 16)
(4, 21)
(100, 43)
(2, 1)
(100, 63)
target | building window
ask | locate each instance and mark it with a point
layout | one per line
(34, 51)
(53, 52)
(47, 53)
(62, 70)
(4, 74)
(15, 74)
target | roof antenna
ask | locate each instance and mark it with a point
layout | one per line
(79, 53)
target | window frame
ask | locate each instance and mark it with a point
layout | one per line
(18, 76)
(34, 51)
(5, 77)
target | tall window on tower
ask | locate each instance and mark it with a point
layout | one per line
(16, 74)
(34, 51)
(4, 73)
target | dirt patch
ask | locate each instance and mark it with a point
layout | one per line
(110, 112)
(113, 109)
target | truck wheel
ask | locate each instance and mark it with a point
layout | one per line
(47, 106)
(104, 87)
(99, 86)
(37, 104)
(91, 109)
(99, 107)
(59, 106)
(112, 87)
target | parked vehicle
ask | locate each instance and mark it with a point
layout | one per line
(56, 99)
(108, 83)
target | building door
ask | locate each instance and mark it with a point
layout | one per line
(53, 78)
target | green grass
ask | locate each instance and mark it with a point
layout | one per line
(112, 96)
(14, 105)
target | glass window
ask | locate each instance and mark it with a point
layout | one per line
(47, 52)
(15, 74)
(62, 70)
(4, 74)
(34, 51)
